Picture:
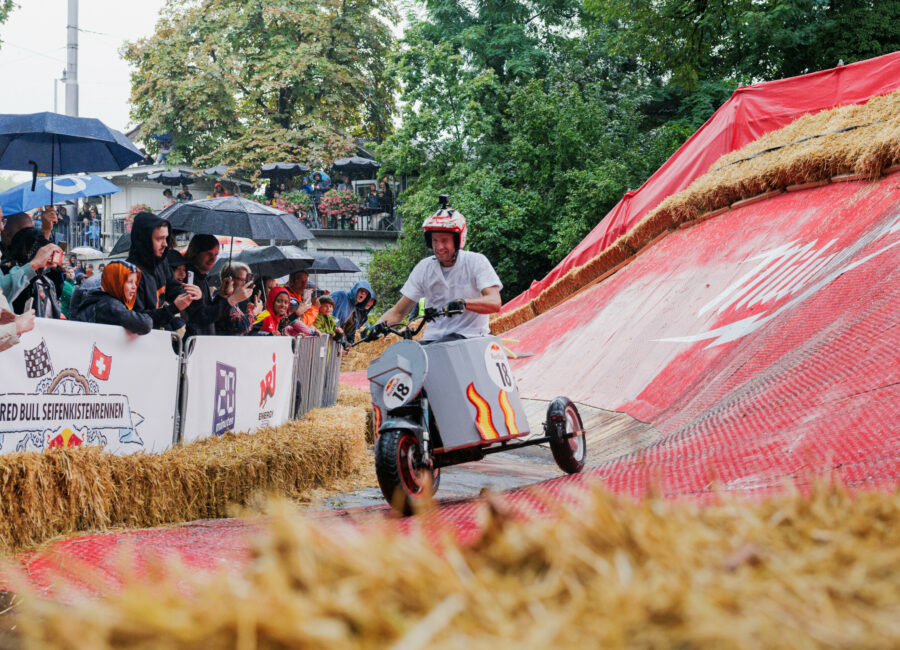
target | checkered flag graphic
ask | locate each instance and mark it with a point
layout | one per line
(37, 361)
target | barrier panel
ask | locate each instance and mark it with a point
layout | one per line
(68, 384)
(236, 383)
(317, 372)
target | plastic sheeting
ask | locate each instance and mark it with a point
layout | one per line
(751, 112)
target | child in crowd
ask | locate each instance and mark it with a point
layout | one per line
(113, 302)
(325, 322)
(277, 322)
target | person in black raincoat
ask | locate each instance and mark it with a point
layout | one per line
(201, 315)
(149, 236)
(113, 302)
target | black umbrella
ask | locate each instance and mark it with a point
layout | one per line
(218, 170)
(283, 170)
(172, 177)
(355, 166)
(123, 244)
(235, 216)
(274, 261)
(60, 144)
(333, 264)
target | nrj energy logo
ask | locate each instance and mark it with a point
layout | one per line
(782, 278)
(67, 408)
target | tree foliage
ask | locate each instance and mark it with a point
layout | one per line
(251, 81)
(536, 116)
(6, 6)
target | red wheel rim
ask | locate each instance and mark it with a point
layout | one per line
(407, 459)
(573, 424)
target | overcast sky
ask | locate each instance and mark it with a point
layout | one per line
(33, 54)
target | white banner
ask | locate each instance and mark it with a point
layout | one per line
(236, 383)
(68, 384)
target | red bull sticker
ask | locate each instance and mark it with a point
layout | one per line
(397, 390)
(498, 367)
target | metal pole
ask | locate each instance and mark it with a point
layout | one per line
(72, 60)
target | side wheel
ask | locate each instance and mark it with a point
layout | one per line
(398, 460)
(562, 419)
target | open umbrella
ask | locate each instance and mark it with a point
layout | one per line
(355, 166)
(236, 244)
(333, 264)
(274, 261)
(123, 245)
(172, 177)
(283, 170)
(218, 170)
(22, 197)
(235, 216)
(86, 253)
(61, 144)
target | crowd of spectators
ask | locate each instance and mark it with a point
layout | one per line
(157, 287)
(377, 202)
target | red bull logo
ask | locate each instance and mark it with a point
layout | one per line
(65, 439)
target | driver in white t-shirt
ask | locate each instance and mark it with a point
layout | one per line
(453, 278)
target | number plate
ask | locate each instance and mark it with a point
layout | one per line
(397, 390)
(498, 367)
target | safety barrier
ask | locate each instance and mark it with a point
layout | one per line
(68, 384)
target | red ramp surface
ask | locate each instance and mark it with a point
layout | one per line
(762, 343)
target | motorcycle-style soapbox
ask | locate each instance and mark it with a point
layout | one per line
(450, 402)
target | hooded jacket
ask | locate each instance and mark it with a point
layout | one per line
(351, 315)
(201, 315)
(270, 322)
(108, 305)
(157, 286)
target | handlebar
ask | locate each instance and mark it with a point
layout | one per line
(415, 324)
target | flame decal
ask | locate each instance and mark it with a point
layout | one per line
(376, 419)
(483, 420)
(509, 415)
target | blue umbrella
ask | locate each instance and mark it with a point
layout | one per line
(22, 198)
(60, 144)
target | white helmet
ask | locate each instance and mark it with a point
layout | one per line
(446, 220)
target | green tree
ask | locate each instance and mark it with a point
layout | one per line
(250, 81)
(6, 6)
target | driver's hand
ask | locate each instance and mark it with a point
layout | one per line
(376, 331)
(455, 306)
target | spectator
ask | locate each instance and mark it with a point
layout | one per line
(62, 225)
(278, 322)
(23, 244)
(299, 289)
(162, 154)
(320, 186)
(325, 322)
(94, 229)
(89, 271)
(12, 326)
(16, 278)
(147, 160)
(177, 263)
(373, 202)
(202, 315)
(306, 187)
(386, 196)
(68, 289)
(235, 321)
(167, 198)
(218, 191)
(113, 303)
(351, 308)
(345, 185)
(184, 194)
(159, 295)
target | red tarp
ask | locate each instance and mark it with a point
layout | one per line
(750, 113)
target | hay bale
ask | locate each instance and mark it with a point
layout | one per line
(64, 491)
(505, 322)
(604, 571)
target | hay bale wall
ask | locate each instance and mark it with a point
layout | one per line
(792, 572)
(860, 140)
(60, 492)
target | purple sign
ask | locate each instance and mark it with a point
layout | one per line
(224, 402)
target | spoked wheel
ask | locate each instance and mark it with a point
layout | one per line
(398, 466)
(562, 419)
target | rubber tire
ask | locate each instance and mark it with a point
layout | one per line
(569, 458)
(394, 474)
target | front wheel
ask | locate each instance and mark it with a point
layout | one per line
(562, 419)
(398, 464)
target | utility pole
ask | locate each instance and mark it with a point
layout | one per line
(72, 60)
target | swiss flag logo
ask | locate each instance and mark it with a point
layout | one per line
(100, 364)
